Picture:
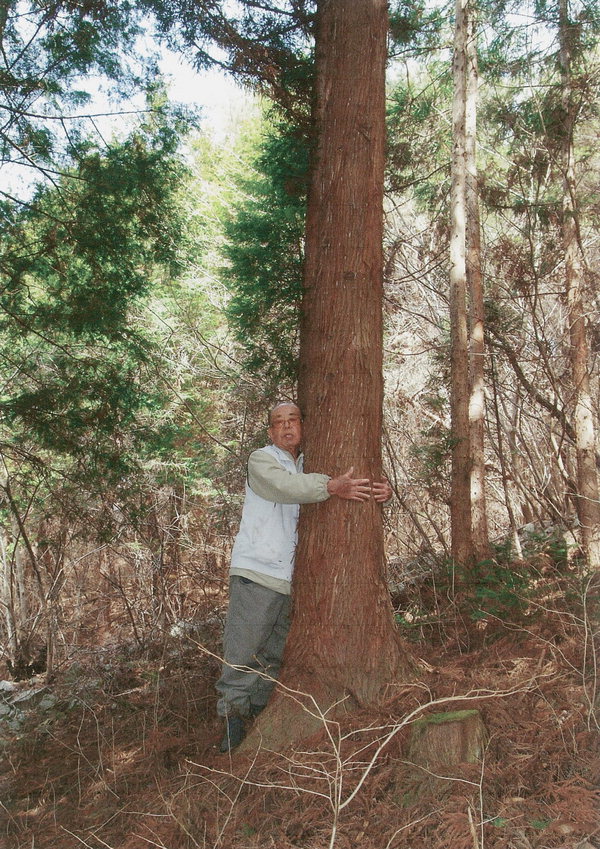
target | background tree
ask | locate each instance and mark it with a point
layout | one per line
(266, 46)
(75, 262)
(474, 268)
(462, 462)
(542, 138)
(264, 249)
(47, 51)
(518, 182)
(588, 500)
(470, 541)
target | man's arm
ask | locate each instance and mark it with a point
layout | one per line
(272, 482)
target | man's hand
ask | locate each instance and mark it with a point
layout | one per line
(352, 489)
(381, 490)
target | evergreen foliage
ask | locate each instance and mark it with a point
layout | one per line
(264, 249)
(415, 28)
(418, 160)
(47, 51)
(265, 45)
(76, 263)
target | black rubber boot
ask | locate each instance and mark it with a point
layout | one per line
(235, 731)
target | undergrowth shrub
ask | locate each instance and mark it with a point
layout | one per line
(501, 589)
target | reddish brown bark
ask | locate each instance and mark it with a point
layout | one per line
(343, 641)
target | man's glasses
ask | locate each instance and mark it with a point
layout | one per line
(282, 423)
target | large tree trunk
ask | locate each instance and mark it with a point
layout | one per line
(460, 496)
(587, 478)
(343, 642)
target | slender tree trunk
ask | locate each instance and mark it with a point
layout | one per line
(13, 592)
(343, 648)
(506, 476)
(523, 493)
(587, 478)
(7, 599)
(460, 497)
(481, 543)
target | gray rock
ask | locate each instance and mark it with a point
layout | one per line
(7, 688)
(29, 698)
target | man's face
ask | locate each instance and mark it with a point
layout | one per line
(286, 428)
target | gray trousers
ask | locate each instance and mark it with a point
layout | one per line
(257, 624)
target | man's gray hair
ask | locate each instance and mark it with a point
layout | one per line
(283, 404)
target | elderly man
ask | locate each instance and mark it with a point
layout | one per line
(262, 563)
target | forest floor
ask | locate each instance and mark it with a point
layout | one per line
(119, 750)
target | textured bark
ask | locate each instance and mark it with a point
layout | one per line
(343, 641)
(588, 505)
(460, 496)
(479, 523)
